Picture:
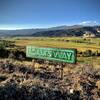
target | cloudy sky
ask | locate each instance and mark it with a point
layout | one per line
(16, 14)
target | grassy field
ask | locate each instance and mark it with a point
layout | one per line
(44, 81)
(78, 43)
(61, 42)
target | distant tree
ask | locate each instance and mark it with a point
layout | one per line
(97, 53)
(2, 46)
(88, 53)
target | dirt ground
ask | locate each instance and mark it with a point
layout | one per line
(19, 81)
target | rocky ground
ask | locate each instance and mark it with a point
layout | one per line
(42, 82)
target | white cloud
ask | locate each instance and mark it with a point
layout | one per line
(90, 23)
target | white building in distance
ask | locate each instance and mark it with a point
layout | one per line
(98, 30)
(88, 34)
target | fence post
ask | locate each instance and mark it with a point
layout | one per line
(33, 64)
(61, 70)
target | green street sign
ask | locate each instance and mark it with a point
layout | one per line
(55, 54)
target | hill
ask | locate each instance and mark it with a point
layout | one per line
(75, 30)
(71, 31)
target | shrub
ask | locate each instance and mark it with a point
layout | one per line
(87, 53)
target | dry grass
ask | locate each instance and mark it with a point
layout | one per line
(17, 83)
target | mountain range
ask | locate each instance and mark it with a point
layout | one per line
(75, 30)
